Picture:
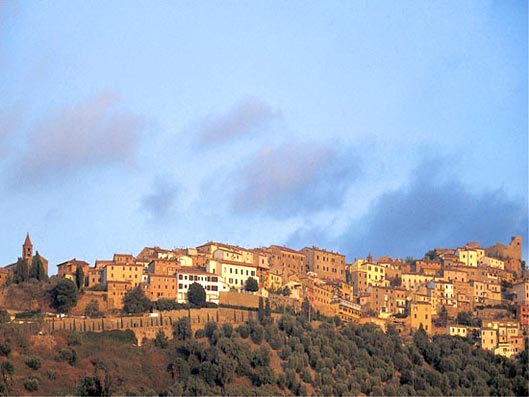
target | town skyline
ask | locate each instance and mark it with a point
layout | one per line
(358, 127)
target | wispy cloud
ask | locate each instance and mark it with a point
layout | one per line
(294, 178)
(246, 117)
(9, 122)
(160, 201)
(430, 211)
(92, 134)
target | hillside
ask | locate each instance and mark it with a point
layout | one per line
(287, 357)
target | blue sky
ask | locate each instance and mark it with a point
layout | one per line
(359, 126)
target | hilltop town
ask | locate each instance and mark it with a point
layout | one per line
(460, 291)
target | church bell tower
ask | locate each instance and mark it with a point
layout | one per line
(27, 249)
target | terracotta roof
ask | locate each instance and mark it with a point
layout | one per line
(313, 248)
(223, 245)
(27, 241)
(286, 249)
(73, 261)
(194, 270)
(228, 262)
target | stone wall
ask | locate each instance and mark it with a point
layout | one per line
(237, 299)
(146, 326)
(86, 297)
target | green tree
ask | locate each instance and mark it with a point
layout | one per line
(286, 291)
(466, 318)
(136, 302)
(251, 285)
(196, 295)
(36, 270)
(79, 277)
(420, 339)
(64, 295)
(166, 304)
(267, 309)
(90, 386)
(161, 340)
(182, 329)
(260, 310)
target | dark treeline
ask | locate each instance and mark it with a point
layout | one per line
(289, 356)
(335, 360)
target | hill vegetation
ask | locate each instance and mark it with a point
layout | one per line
(285, 357)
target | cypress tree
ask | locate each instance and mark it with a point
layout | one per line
(37, 269)
(267, 310)
(260, 310)
(79, 277)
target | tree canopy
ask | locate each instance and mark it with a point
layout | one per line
(196, 295)
(63, 295)
(251, 285)
(136, 302)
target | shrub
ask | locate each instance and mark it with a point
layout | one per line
(67, 354)
(166, 304)
(52, 374)
(199, 334)
(5, 348)
(74, 339)
(209, 328)
(90, 386)
(33, 362)
(31, 384)
(243, 330)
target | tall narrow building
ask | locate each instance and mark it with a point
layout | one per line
(27, 249)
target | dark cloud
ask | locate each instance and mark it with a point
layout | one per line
(92, 134)
(294, 179)
(248, 116)
(160, 202)
(430, 212)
